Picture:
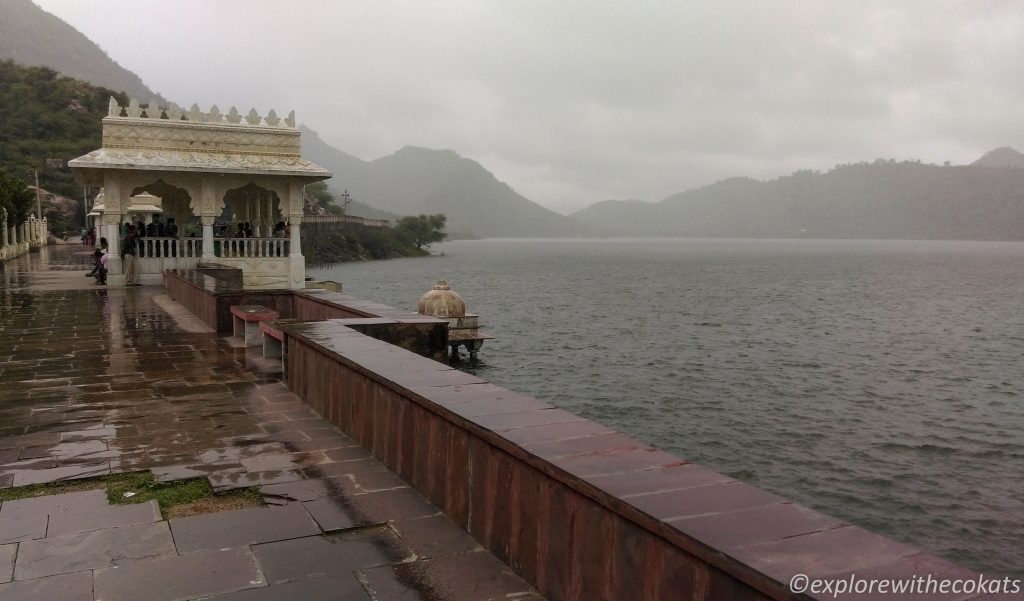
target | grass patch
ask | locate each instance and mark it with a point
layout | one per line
(179, 498)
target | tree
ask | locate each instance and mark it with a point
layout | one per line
(16, 198)
(422, 230)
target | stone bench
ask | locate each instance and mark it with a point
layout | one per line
(273, 339)
(246, 321)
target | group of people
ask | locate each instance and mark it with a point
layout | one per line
(129, 251)
(89, 236)
(244, 230)
(131, 247)
(154, 229)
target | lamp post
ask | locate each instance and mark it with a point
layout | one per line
(345, 201)
(39, 202)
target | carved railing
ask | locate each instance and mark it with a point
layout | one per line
(239, 248)
(346, 219)
(173, 112)
(162, 248)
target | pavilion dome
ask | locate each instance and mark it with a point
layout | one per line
(441, 301)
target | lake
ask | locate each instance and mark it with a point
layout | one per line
(876, 381)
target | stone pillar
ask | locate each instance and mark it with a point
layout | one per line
(296, 262)
(3, 228)
(208, 255)
(268, 197)
(111, 231)
(254, 211)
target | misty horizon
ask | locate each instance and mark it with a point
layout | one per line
(643, 102)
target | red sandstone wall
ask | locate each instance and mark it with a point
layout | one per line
(309, 309)
(567, 545)
(199, 302)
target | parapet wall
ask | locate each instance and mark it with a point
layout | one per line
(210, 291)
(577, 509)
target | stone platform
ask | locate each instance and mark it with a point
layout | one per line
(96, 381)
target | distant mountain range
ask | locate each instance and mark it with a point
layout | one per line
(883, 199)
(1004, 157)
(419, 180)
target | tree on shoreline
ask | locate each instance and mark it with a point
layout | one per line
(422, 230)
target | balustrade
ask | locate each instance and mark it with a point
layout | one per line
(233, 248)
(159, 248)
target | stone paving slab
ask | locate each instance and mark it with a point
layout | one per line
(44, 506)
(342, 587)
(82, 519)
(263, 463)
(473, 576)
(391, 505)
(242, 527)
(65, 587)
(331, 515)
(234, 481)
(196, 575)
(302, 490)
(434, 536)
(24, 477)
(90, 550)
(16, 529)
(7, 555)
(325, 555)
(170, 473)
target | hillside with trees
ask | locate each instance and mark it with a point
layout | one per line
(882, 199)
(44, 115)
(409, 237)
(33, 37)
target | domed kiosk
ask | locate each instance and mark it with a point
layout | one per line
(463, 328)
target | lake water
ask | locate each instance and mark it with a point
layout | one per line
(877, 381)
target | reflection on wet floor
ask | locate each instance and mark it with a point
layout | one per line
(96, 381)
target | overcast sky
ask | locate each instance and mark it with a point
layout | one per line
(573, 102)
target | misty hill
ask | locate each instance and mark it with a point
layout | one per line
(47, 116)
(1001, 157)
(31, 36)
(884, 199)
(423, 181)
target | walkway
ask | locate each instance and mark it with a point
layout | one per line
(95, 381)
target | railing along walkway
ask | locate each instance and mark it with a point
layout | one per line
(233, 248)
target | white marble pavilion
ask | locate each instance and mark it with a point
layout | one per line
(202, 167)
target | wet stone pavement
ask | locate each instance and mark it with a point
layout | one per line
(95, 381)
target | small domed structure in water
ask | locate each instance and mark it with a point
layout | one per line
(463, 328)
(441, 301)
